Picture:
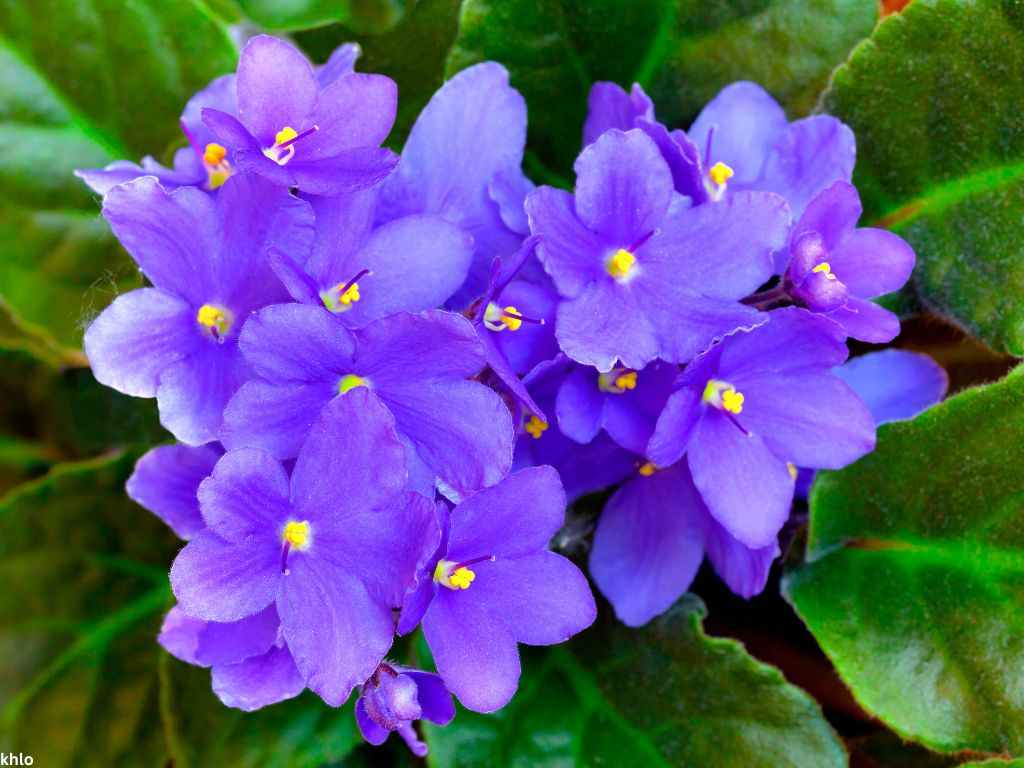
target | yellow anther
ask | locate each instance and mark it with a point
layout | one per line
(720, 173)
(791, 468)
(350, 295)
(446, 574)
(826, 269)
(732, 401)
(296, 534)
(510, 318)
(214, 154)
(217, 178)
(285, 134)
(626, 381)
(536, 427)
(215, 318)
(349, 382)
(462, 578)
(621, 264)
(648, 469)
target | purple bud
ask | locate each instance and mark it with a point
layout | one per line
(394, 697)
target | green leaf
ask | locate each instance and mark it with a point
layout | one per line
(666, 695)
(83, 83)
(301, 733)
(941, 153)
(84, 574)
(365, 15)
(994, 764)
(915, 574)
(683, 50)
(412, 54)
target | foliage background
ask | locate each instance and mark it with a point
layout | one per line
(892, 634)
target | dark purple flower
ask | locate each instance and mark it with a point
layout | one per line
(459, 432)
(333, 549)
(609, 107)
(583, 469)
(297, 132)
(206, 259)
(165, 482)
(462, 162)
(836, 268)
(394, 697)
(362, 273)
(651, 538)
(754, 408)
(642, 275)
(250, 663)
(494, 584)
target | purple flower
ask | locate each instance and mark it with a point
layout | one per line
(394, 697)
(754, 408)
(206, 259)
(362, 273)
(835, 268)
(583, 469)
(298, 132)
(459, 432)
(250, 663)
(623, 402)
(748, 144)
(643, 276)
(493, 584)
(462, 162)
(651, 538)
(333, 549)
(166, 480)
(609, 107)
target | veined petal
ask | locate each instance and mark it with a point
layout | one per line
(166, 480)
(356, 110)
(276, 88)
(246, 497)
(274, 417)
(571, 253)
(297, 343)
(258, 681)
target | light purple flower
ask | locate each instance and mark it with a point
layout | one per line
(166, 480)
(459, 432)
(297, 132)
(836, 268)
(462, 162)
(394, 697)
(651, 538)
(362, 273)
(206, 259)
(333, 549)
(642, 275)
(754, 408)
(493, 584)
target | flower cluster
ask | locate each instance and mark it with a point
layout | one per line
(388, 374)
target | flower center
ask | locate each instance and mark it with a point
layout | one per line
(296, 534)
(535, 427)
(283, 149)
(218, 169)
(648, 468)
(723, 396)
(621, 264)
(341, 297)
(826, 269)
(617, 381)
(457, 576)
(216, 319)
(719, 173)
(351, 381)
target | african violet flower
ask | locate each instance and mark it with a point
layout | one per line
(250, 664)
(643, 276)
(836, 268)
(166, 480)
(462, 162)
(333, 549)
(492, 584)
(298, 132)
(651, 538)
(206, 259)
(459, 432)
(362, 273)
(394, 697)
(755, 407)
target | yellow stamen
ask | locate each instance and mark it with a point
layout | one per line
(214, 154)
(349, 382)
(648, 469)
(215, 318)
(621, 264)
(626, 380)
(826, 269)
(617, 381)
(720, 173)
(535, 427)
(732, 401)
(296, 534)
(792, 470)
(217, 178)
(510, 318)
(460, 578)
(285, 134)
(350, 295)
